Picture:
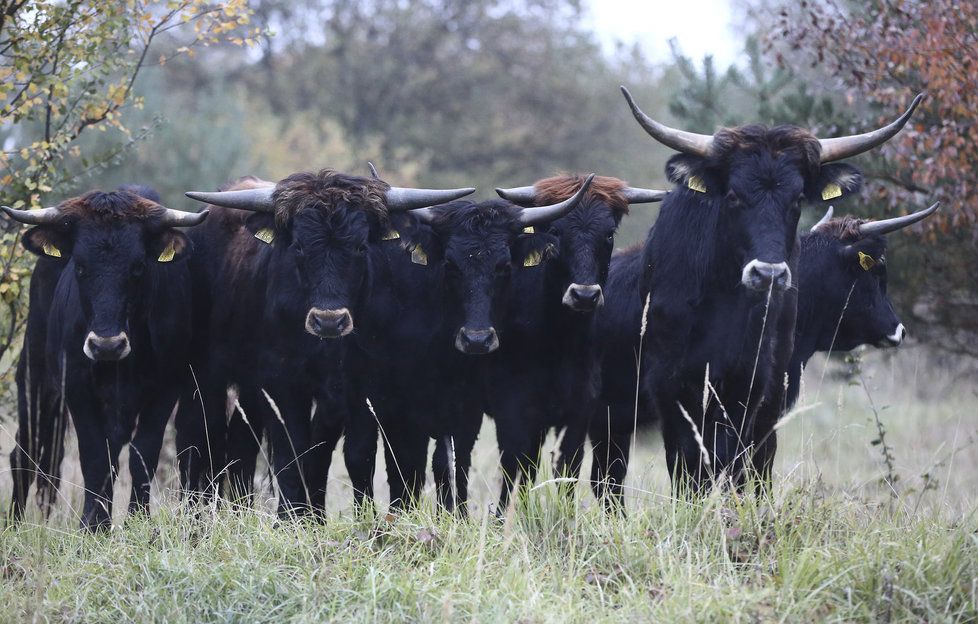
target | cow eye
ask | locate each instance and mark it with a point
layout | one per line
(79, 270)
(361, 249)
(503, 268)
(611, 239)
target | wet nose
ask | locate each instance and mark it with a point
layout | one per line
(106, 348)
(329, 323)
(476, 341)
(583, 298)
(758, 275)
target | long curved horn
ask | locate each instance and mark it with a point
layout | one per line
(400, 199)
(255, 200)
(878, 228)
(844, 147)
(825, 219)
(636, 195)
(33, 217)
(518, 194)
(179, 218)
(373, 171)
(679, 140)
(545, 214)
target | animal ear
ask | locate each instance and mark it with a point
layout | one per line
(834, 181)
(533, 249)
(862, 255)
(262, 226)
(47, 240)
(169, 245)
(688, 171)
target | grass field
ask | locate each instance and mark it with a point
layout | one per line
(846, 536)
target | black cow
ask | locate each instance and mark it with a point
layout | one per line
(41, 414)
(719, 265)
(547, 374)
(115, 336)
(286, 267)
(842, 304)
(441, 289)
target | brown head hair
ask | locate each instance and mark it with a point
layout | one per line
(327, 190)
(603, 188)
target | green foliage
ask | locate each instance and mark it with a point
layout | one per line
(66, 69)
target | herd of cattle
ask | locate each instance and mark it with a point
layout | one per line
(331, 305)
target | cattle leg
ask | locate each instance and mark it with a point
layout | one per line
(99, 458)
(442, 467)
(201, 429)
(407, 458)
(519, 459)
(326, 434)
(360, 451)
(288, 433)
(244, 434)
(611, 445)
(144, 451)
(571, 455)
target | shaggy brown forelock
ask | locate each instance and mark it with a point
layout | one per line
(846, 228)
(111, 206)
(326, 191)
(777, 140)
(603, 188)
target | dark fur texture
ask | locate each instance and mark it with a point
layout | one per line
(741, 203)
(406, 362)
(107, 280)
(318, 261)
(546, 375)
(840, 306)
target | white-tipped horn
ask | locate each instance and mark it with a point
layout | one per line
(546, 214)
(255, 200)
(179, 218)
(878, 228)
(518, 194)
(636, 195)
(400, 199)
(844, 147)
(33, 217)
(679, 140)
(825, 219)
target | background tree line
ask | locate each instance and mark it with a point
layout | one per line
(485, 93)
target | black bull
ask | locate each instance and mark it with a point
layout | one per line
(286, 268)
(108, 325)
(842, 304)
(719, 267)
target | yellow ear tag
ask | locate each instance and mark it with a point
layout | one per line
(418, 256)
(696, 183)
(168, 253)
(534, 258)
(866, 261)
(831, 191)
(51, 250)
(391, 235)
(529, 230)
(265, 235)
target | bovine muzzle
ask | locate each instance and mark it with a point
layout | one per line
(106, 348)
(583, 297)
(894, 339)
(476, 341)
(329, 323)
(758, 275)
